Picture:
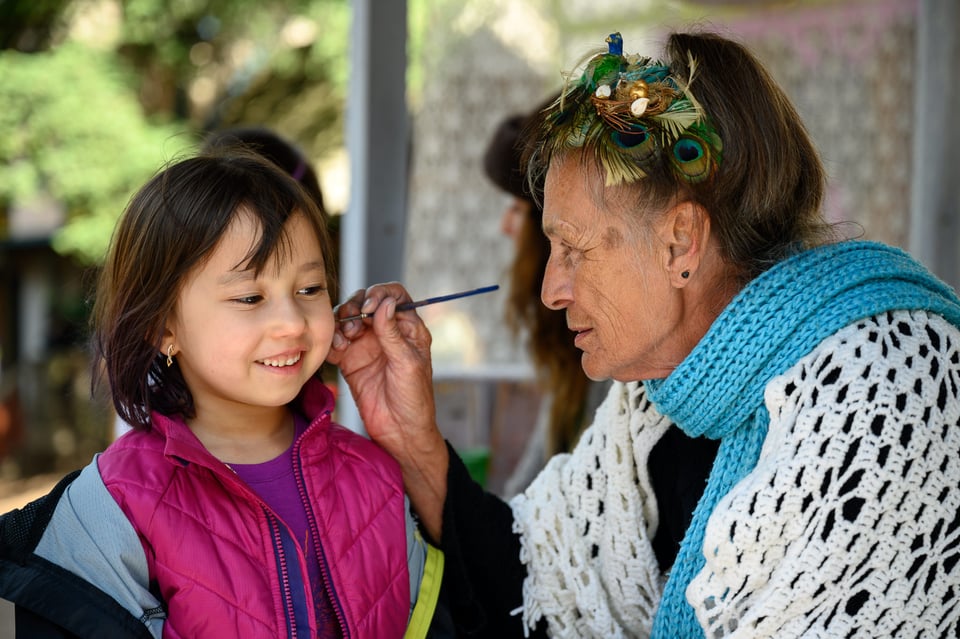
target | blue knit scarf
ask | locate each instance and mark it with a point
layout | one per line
(781, 316)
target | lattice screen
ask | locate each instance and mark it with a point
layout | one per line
(847, 65)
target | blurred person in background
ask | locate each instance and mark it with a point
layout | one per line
(568, 397)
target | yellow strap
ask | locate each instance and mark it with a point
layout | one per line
(428, 595)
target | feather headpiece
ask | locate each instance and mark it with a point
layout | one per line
(634, 114)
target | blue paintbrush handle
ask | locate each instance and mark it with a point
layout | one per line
(444, 298)
(407, 306)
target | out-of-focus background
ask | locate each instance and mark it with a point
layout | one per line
(394, 102)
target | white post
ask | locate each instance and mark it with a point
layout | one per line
(377, 121)
(935, 187)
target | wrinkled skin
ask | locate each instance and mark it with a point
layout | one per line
(385, 360)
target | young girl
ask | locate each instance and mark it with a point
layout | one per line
(256, 515)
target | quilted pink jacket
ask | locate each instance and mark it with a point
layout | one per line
(215, 551)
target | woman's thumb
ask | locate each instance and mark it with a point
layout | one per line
(388, 332)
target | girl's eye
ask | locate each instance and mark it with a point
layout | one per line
(311, 291)
(248, 299)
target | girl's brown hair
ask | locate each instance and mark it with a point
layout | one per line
(169, 228)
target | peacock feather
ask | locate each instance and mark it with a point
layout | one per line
(634, 114)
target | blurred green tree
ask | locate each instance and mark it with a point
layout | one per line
(96, 95)
(73, 129)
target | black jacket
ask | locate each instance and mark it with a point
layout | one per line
(51, 602)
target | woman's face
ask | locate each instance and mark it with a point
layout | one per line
(612, 283)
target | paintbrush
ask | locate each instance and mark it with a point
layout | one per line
(406, 306)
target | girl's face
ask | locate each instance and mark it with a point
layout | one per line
(243, 341)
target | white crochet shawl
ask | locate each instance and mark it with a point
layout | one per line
(848, 526)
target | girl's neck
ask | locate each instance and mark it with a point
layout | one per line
(252, 439)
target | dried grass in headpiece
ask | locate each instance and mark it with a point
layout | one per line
(632, 112)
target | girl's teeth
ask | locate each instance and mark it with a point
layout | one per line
(282, 362)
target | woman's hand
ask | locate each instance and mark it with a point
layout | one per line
(385, 360)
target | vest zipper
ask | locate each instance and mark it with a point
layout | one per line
(315, 535)
(284, 573)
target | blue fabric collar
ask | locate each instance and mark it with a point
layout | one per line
(781, 316)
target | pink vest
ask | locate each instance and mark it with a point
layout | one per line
(212, 548)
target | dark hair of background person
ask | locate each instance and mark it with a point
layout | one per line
(170, 226)
(764, 201)
(556, 359)
(276, 149)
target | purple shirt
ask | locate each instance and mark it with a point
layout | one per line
(275, 483)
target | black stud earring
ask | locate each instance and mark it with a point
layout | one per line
(685, 274)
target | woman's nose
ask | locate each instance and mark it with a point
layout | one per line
(555, 291)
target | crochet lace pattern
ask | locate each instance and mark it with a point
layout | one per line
(586, 525)
(849, 525)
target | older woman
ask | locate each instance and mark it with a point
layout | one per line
(788, 399)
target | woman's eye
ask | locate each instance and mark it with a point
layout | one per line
(565, 250)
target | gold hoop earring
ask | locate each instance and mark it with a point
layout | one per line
(169, 356)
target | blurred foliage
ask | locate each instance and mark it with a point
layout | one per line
(78, 135)
(27, 26)
(98, 94)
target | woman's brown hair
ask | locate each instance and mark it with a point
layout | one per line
(765, 197)
(171, 225)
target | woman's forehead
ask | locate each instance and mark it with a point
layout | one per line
(572, 179)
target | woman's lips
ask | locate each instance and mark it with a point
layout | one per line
(581, 334)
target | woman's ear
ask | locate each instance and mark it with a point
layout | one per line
(685, 231)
